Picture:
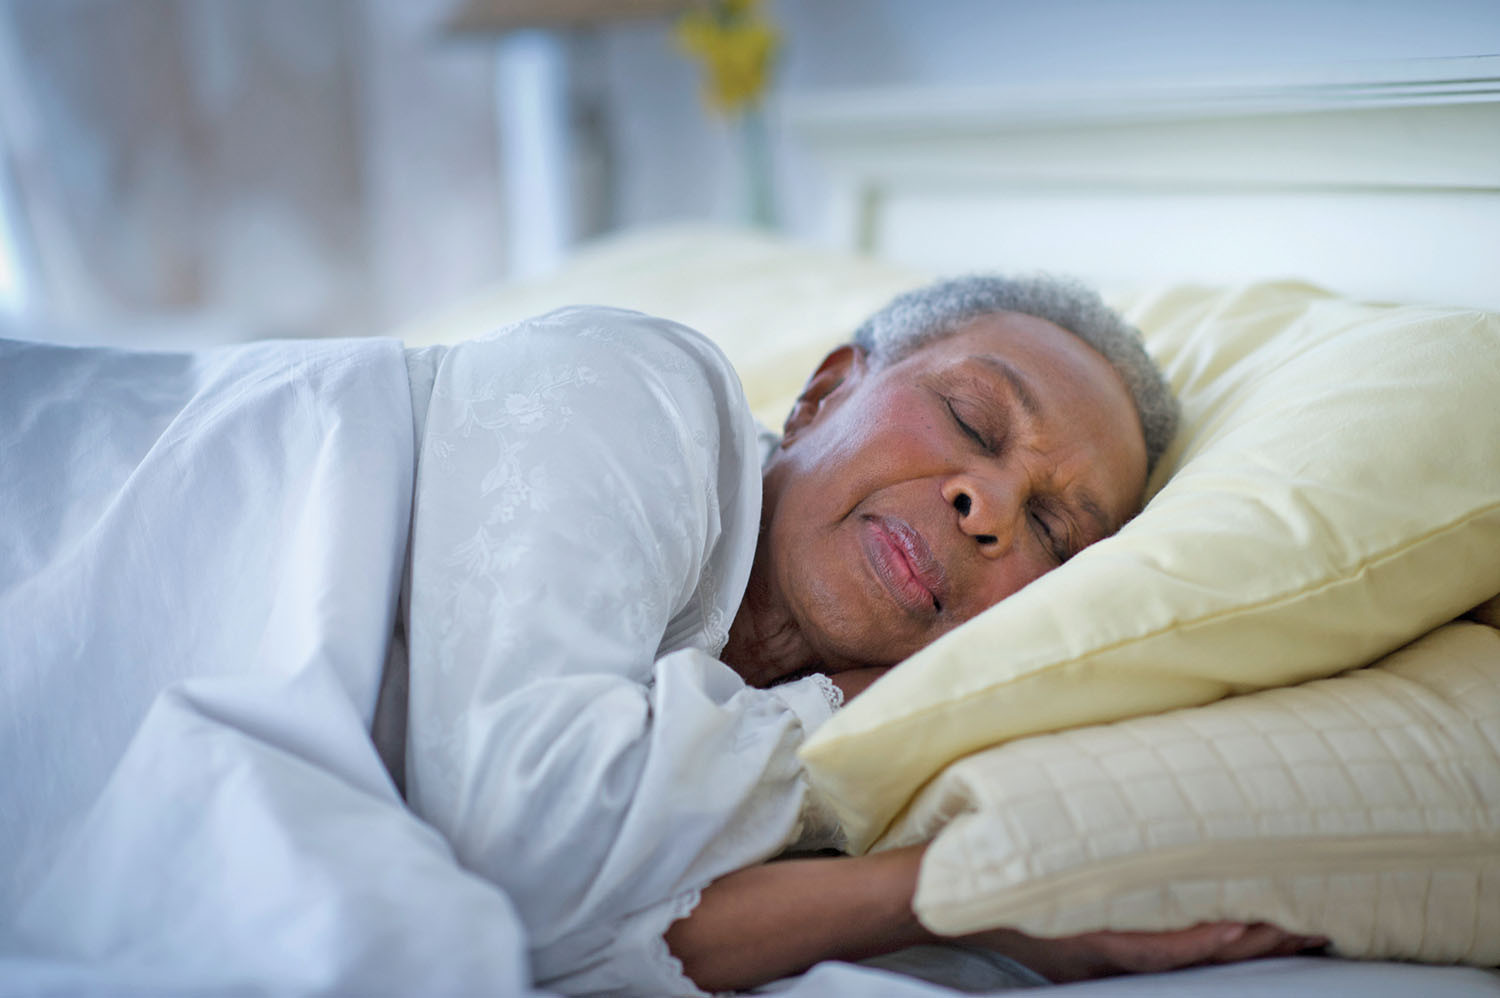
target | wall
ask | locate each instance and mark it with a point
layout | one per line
(332, 167)
(672, 162)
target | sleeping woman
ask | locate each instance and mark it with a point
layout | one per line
(580, 652)
(622, 610)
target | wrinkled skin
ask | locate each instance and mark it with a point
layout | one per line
(906, 498)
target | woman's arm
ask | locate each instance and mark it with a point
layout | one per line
(765, 922)
(586, 502)
(769, 921)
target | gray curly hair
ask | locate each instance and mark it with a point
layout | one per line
(937, 310)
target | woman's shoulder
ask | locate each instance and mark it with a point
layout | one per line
(640, 366)
(635, 426)
(617, 335)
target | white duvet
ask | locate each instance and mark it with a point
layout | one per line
(202, 559)
(228, 527)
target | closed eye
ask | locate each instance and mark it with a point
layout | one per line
(1054, 539)
(968, 430)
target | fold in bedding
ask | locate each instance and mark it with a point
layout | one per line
(229, 526)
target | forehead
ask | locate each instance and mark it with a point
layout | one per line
(1041, 364)
(1007, 339)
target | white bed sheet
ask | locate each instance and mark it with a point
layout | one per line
(1323, 977)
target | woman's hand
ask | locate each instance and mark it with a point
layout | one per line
(1103, 954)
(768, 921)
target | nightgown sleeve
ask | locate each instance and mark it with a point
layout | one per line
(587, 503)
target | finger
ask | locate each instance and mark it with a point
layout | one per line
(1146, 952)
(1263, 940)
(1257, 940)
(1295, 944)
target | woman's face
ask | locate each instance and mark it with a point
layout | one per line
(905, 499)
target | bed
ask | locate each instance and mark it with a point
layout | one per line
(1332, 177)
(1219, 216)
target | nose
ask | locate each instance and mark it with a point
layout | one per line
(987, 508)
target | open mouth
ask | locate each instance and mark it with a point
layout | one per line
(903, 563)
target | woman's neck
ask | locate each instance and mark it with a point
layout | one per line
(765, 644)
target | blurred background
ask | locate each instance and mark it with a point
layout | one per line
(176, 171)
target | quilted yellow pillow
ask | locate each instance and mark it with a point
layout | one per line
(1334, 493)
(1365, 808)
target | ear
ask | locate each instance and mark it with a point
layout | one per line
(846, 364)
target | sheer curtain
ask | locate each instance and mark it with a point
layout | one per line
(221, 169)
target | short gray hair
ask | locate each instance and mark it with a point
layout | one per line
(918, 317)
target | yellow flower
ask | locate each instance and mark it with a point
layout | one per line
(737, 46)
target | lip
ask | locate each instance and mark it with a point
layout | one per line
(903, 563)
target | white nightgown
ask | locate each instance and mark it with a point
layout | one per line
(586, 511)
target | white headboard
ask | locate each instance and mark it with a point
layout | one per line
(1379, 181)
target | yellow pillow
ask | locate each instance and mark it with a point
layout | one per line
(1365, 808)
(1333, 494)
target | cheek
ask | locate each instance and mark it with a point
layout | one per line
(892, 409)
(1009, 576)
(841, 613)
(894, 453)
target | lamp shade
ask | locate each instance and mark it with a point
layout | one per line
(500, 16)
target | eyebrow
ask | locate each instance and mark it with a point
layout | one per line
(1015, 379)
(1095, 512)
(1033, 408)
